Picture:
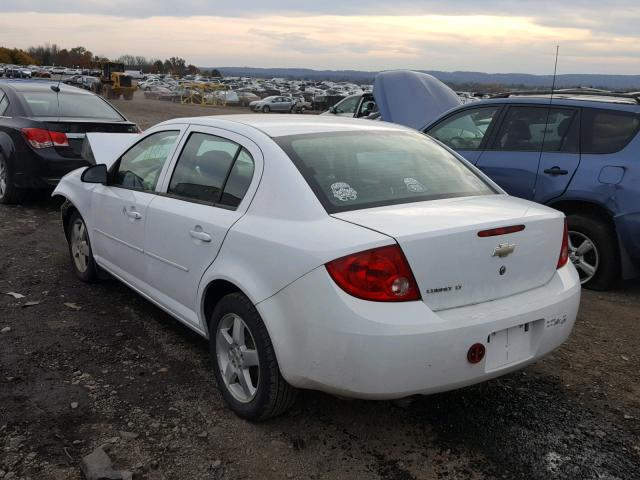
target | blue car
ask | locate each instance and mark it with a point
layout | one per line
(578, 152)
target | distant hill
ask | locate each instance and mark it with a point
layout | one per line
(615, 82)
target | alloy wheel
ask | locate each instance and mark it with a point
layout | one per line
(80, 245)
(237, 358)
(584, 255)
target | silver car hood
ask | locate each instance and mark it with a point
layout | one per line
(413, 99)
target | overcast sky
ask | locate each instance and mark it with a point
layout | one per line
(490, 36)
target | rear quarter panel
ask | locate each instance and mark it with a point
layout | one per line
(619, 195)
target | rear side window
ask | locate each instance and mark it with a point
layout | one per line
(465, 130)
(212, 170)
(355, 170)
(539, 129)
(239, 180)
(71, 105)
(348, 105)
(607, 131)
(4, 103)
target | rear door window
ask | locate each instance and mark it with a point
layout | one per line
(607, 131)
(465, 130)
(528, 129)
(202, 168)
(212, 170)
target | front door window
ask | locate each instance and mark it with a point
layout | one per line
(140, 167)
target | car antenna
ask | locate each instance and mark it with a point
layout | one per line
(555, 71)
(553, 88)
(546, 122)
(56, 87)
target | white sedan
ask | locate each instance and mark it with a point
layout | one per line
(357, 258)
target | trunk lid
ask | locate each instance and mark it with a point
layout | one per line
(106, 147)
(452, 265)
(76, 130)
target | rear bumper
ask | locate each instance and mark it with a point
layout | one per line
(42, 169)
(327, 340)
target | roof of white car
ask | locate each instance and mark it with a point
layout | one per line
(278, 125)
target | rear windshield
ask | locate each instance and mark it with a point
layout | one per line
(48, 104)
(355, 170)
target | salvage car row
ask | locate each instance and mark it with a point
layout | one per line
(416, 272)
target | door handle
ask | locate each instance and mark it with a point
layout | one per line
(132, 214)
(200, 235)
(556, 171)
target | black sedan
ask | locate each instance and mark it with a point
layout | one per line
(42, 127)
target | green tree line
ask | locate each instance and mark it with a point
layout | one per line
(80, 57)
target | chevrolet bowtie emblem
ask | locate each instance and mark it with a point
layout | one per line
(504, 250)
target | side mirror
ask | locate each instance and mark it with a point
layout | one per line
(95, 174)
(333, 110)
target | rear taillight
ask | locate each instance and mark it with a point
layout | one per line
(564, 250)
(37, 137)
(41, 138)
(380, 274)
(59, 139)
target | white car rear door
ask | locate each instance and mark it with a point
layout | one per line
(118, 210)
(207, 189)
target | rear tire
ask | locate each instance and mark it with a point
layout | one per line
(9, 193)
(238, 340)
(80, 251)
(593, 249)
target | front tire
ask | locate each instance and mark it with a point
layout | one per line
(80, 251)
(244, 361)
(266, 109)
(593, 249)
(9, 193)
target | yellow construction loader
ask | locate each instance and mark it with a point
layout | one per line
(114, 82)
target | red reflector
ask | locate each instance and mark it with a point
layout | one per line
(380, 274)
(476, 353)
(564, 249)
(501, 231)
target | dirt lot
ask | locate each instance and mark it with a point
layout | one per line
(149, 112)
(89, 365)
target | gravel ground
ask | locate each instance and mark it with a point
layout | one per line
(88, 365)
(149, 112)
